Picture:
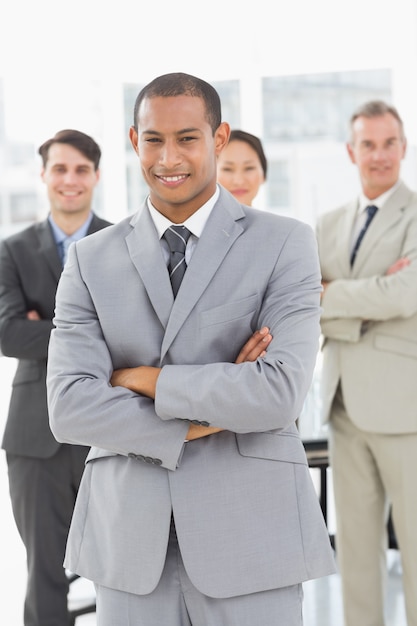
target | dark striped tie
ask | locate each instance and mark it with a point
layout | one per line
(370, 210)
(176, 237)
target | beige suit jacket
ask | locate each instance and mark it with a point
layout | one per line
(377, 368)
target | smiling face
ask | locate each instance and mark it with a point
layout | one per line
(239, 170)
(177, 153)
(377, 148)
(70, 179)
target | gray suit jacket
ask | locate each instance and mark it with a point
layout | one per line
(246, 512)
(377, 369)
(30, 269)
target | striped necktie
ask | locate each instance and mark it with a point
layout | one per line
(176, 237)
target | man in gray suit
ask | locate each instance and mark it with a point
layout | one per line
(43, 474)
(196, 505)
(369, 323)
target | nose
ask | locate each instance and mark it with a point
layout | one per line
(170, 155)
(379, 154)
(237, 177)
(70, 178)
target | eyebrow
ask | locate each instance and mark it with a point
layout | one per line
(386, 139)
(178, 132)
(245, 162)
(78, 165)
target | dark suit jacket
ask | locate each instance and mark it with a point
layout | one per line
(30, 269)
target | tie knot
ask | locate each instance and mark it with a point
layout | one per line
(176, 238)
(371, 210)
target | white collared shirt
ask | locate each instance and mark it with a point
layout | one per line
(195, 224)
(364, 202)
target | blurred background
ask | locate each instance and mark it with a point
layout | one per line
(290, 72)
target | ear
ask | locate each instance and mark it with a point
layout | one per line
(43, 174)
(351, 152)
(133, 136)
(404, 147)
(221, 137)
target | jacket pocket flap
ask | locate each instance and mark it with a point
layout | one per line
(397, 345)
(230, 311)
(287, 448)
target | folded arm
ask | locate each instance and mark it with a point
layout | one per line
(375, 298)
(199, 379)
(20, 337)
(143, 379)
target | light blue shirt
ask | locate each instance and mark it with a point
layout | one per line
(60, 236)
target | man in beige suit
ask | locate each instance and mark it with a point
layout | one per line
(369, 267)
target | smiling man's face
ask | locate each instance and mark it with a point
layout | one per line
(70, 179)
(178, 153)
(377, 148)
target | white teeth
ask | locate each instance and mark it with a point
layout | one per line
(69, 193)
(172, 179)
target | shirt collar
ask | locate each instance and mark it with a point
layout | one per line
(379, 201)
(59, 234)
(195, 223)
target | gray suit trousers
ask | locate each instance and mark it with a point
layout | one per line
(176, 602)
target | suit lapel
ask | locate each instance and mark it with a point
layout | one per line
(385, 218)
(345, 227)
(48, 249)
(218, 237)
(97, 224)
(144, 247)
(145, 251)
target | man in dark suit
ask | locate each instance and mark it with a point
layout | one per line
(43, 474)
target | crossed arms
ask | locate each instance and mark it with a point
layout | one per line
(143, 379)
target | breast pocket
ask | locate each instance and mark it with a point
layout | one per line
(227, 327)
(229, 313)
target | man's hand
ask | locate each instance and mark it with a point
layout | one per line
(143, 379)
(33, 315)
(397, 266)
(255, 347)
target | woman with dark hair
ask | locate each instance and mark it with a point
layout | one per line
(242, 166)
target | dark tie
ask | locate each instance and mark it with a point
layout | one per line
(176, 237)
(370, 210)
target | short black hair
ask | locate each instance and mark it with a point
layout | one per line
(179, 84)
(254, 142)
(78, 140)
